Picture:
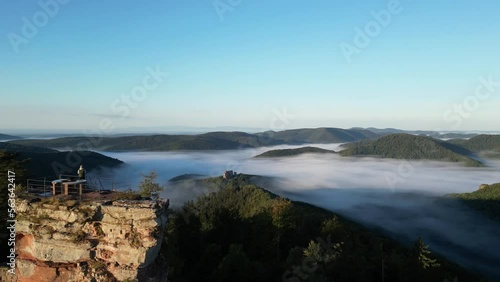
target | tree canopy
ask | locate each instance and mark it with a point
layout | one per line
(149, 187)
(241, 232)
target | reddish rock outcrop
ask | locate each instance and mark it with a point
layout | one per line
(90, 241)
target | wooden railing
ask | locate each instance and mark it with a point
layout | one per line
(73, 185)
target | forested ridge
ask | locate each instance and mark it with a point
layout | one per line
(483, 142)
(411, 147)
(486, 200)
(205, 141)
(241, 232)
(294, 152)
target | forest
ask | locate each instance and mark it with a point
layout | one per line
(241, 232)
(412, 147)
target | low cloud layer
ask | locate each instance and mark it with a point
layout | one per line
(401, 197)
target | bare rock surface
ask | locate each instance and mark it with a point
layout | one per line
(70, 240)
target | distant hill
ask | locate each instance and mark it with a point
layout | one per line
(207, 141)
(42, 164)
(43, 160)
(12, 147)
(186, 177)
(318, 135)
(8, 137)
(294, 152)
(483, 142)
(413, 147)
(430, 133)
(486, 200)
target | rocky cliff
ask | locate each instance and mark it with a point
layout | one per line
(69, 240)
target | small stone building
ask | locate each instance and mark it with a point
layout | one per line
(228, 174)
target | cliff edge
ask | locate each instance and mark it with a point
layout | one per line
(98, 240)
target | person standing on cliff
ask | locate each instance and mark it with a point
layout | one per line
(81, 172)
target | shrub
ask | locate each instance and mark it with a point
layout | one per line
(149, 187)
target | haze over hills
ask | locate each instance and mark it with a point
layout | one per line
(45, 162)
(206, 141)
(53, 164)
(307, 167)
(435, 134)
(8, 137)
(220, 140)
(16, 148)
(243, 142)
(412, 147)
(318, 135)
(363, 143)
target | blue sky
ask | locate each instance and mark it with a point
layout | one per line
(249, 64)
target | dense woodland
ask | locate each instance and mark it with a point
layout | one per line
(397, 146)
(485, 200)
(294, 152)
(360, 142)
(411, 147)
(241, 232)
(45, 162)
(8, 137)
(479, 143)
(205, 141)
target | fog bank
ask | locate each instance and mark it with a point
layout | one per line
(401, 197)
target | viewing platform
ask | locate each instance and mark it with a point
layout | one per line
(64, 185)
(73, 185)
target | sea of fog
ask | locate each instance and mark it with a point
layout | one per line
(402, 198)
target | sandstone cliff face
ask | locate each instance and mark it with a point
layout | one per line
(5, 276)
(93, 241)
